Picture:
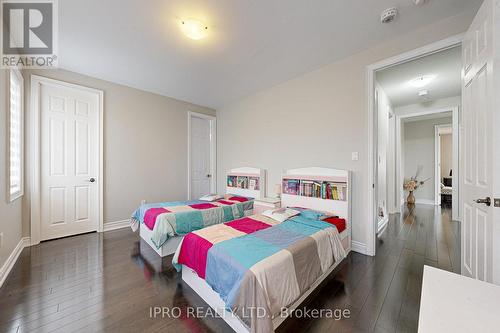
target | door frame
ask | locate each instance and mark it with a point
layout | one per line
(34, 119)
(213, 150)
(455, 110)
(437, 159)
(426, 50)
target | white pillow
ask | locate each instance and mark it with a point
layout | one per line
(281, 214)
(211, 197)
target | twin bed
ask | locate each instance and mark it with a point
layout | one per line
(163, 225)
(254, 270)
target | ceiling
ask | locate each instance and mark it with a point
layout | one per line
(445, 66)
(448, 114)
(252, 44)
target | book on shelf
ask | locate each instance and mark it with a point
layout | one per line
(253, 183)
(242, 182)
(306, 188)
(232, 181)
(315, 189)
(291, 186)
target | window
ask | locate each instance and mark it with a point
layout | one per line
(15, 136)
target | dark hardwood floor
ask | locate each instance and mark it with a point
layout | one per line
(109, 282)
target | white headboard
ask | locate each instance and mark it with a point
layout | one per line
(336, 201)
(246, 181)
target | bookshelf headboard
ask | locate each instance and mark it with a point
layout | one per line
(316, 188)
(246, 181)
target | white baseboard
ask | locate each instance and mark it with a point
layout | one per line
(11, 260)
(116, 225)
(382, 224)
(358, 247)
(425, 202)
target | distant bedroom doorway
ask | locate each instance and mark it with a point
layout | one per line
(417, 83)
(201, 155)
(444, 159)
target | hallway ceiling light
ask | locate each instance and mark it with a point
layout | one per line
(423, 93)
(419, 2)
(194, 29)
(422, 81)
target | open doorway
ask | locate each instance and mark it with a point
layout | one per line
(414, 101)
(443, 141)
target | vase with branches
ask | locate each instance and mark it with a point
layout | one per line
(412, 184)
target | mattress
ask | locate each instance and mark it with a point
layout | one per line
(256, 262)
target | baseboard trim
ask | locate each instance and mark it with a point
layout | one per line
(382, 224)
(12, 259)
(425, 202)
(116, 225)
(358, 247)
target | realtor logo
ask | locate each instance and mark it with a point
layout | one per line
(29, 34)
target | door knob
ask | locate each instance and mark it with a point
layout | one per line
(209, 175)
(486, 201)
(92, 180)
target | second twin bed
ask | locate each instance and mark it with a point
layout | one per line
(256, 270)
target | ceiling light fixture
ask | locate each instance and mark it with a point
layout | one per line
(422, 81)
(194, 29)
(423, 93)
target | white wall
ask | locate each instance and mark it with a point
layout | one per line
(400, 162)
(393, 204)
(316, 119)
(10, 213)
(443, 103)
(419, 148)
(384, 109)
(145, 144)
(446, 154)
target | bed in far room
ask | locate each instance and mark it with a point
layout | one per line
(271, 261)
(162, 225)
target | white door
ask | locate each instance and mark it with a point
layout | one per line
(69, 153)
(201, 156)
(480, 162)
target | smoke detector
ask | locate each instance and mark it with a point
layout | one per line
(388, 15)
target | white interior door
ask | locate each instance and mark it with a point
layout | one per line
(201, 156)
(69, 153)
(480, 148)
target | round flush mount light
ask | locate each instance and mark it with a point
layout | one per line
(423, 93)
(422, 81)
(194, 29)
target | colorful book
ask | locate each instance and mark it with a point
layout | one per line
(253, 183)
(232, 181)
(242, 182)
(291, 186)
